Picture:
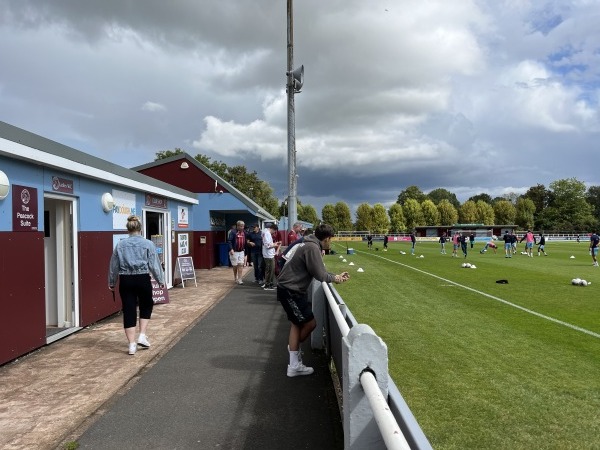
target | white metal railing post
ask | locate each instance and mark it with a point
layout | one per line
(362, 349)
(319, 306)
(335, 309)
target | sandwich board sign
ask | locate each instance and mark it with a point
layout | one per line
(185, 271)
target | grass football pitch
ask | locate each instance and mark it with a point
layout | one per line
(484, 365)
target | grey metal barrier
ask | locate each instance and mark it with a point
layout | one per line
(375, 416)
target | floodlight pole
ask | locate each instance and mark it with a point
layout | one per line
(292, 179)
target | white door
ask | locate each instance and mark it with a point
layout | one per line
(157, 227)
(62, 306)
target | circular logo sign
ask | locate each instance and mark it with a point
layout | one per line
(25, 196)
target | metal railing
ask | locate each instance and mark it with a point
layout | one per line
(375, 416)
(386, 422)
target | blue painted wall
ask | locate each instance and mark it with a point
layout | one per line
(87, 191)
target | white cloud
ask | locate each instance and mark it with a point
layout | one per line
(256, 139)
(153, 107)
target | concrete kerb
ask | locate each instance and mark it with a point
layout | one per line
(52, 395)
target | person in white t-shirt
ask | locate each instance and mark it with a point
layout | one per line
(269, 250)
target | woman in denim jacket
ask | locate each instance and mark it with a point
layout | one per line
(132, 261)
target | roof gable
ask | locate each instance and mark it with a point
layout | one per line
(186, 172)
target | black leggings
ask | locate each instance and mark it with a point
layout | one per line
(135, 289)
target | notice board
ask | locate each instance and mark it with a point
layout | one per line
(184, 271)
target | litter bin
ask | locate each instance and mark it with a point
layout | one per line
(223, 253)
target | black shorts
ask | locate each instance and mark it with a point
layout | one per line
(296, 305)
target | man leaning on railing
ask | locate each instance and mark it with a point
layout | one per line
(304, 264)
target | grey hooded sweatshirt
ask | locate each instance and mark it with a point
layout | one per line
(303, 264)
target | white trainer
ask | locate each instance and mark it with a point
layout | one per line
(143, 341)
(132, 348)
(300, 369)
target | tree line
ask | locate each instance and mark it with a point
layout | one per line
(566, 205)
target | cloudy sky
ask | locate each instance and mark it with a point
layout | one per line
(469, 95)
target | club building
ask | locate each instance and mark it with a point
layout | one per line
(61, 213)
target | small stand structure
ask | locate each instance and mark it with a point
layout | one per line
(185, 271)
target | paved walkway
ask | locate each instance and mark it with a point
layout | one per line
(213, 378)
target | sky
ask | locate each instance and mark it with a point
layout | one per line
(473, 96)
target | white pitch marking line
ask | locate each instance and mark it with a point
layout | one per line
(498, 299)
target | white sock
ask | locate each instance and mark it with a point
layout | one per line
(293, 358)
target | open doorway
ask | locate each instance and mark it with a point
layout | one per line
(157, 228)
(62, 300)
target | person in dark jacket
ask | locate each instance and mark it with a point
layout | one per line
(594, 242)
(442, 240)
(256, 257)
(303, 264)
(463, 243)
(542, 245)
(237, 239)
(513, 240)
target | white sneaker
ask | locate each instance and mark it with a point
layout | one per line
(300, 369)
(143, 341)
(132, 348)
(239, 281)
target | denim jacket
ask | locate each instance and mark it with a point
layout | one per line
(134, 256)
